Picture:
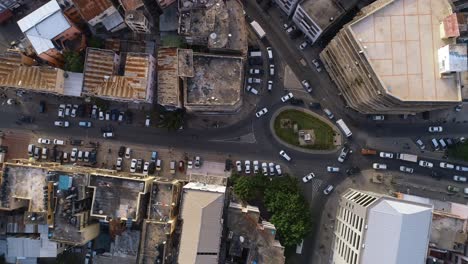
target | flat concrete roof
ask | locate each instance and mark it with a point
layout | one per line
(217, 80)
(321, 11)
(401, 40)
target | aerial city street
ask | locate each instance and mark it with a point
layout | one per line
(234, 131)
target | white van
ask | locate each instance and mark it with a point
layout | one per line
(435, 144)
(442, 143)
(31, 150)
(255, 54)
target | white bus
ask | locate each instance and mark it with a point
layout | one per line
(258, 29)
(344, 128)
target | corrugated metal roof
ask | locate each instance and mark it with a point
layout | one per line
(112, 21)
(38, 15)
(99, 65)
(91, 9)
(168, 77)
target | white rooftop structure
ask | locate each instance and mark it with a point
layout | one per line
(453, 58)
(44, 24)
(202, 210)
(398, 232)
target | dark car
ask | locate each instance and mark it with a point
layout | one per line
(228, 165)
(151, 168)
(129, 117)
(121, 151)
(76, 142)
(107, 129)
(139, 165)
(80, 111)
(315, 106)
(295, 101)
(114, 114)
(42, 107)
(353, 170)
(27, 119)
(92, 157)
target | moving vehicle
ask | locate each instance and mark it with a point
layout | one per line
(258, 29)
(306, 86)
(435, 129)
(329, 114)
(445, 165)
(317, 65)
(368, 151)
(406, 169)
(459, 178)
(426, 164)
(453, 189)
(407, 157)
(286, 97)
(333, 169)
(386, 155)
(343, 154)
(328, 189)
(133, 164)
(285, 155)
(261, 112)
(379, 166)
(147, 121)
(308, 177)
(344, 127)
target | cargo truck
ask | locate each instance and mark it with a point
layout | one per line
(407, 157)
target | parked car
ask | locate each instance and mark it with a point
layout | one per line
(328, 190)
(85, 124)
(128, 153)
(435, 129)
(306, 86)
(42, 107)
(121, 116)
(290, 29)
(406, 169)
(94, 112)
(121, 152)
(270, 85)
(254, 71)
(272, 69)
(254, 80)
(147, 121)
(308, 177)
(68, 109)
(265, 169)
(343, 154)
(459, 178)
(379, 166)
(61, 110)
(271, 166)
(74, 110)
(59, 142)
(61, 123)
(256, 166)
(453, 189)
(154, 155)
(378, 117)
(285, 98)
(458, 108)
(285, 155)
(278, 169)
(461, 168)
(333, 169)
(426, 164)
(73, 154)
(37, 153)
(446, 165)
(386, 155)
(317, 65)
(118, 164)
(158, 164)
(261, 112)
(133, 165)
(146, 167)
(108, 135)
(247, 166)
(420, 144)
(197, 162)
(43, 141)
(303, 45)
(239, 166)
(252, 90)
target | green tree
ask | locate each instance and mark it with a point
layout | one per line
(95, 42)
(245, 188)
(74, 61)
(173, 120)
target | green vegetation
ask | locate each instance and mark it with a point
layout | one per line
(74, 61)
(172, 120)
(173, 41)
(282, 198)
(95, 42)
(323, 132)
(458, 151)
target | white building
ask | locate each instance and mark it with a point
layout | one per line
(371, 228)
(288, 6)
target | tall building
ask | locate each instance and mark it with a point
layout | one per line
(386, 59)
(371, 228)
(288, 6)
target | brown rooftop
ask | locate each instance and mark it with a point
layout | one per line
(168, 77)
(91, 9)
(99, 65)
(131, 4)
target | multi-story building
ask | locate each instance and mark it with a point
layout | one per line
(371, 228)
(100, 13)
(288, 6)
(314, 17)
(386, 59)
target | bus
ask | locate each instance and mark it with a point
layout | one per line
(344, 128)
(258, 29)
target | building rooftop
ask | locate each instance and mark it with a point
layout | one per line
(117, 197)
(164, 200)
(168, 77)
(14, 73)
(131, 4)
(400, 38)
(42, 25)
(404, 225)
(217, 81)
(322, 12)
(154, 240)
(201, 213)
(99, 66)
(92, 9)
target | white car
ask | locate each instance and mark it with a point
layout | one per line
(308, 177)
(278, 169)
(118, 164)
(247, 167)
(378, 117)
(189, 164)
(256, 166)
(333, 169)
(317, 65)
(254, 71)
(303, 45)
(386, 155)
(426, 164)
(459, 178)
(285, 98)
(68, 109)
(420, 144)
(329, 114)
(306, 85)
(435, 129)
(270, 85)
(252, 90)
(446, 165)
(73, 111)
(61, 124)
(271, 166)
(239, 166)
(328, 189)
(128, 153)
(133, 165)
(43, 141)
(265, 168)
(61, 110)
(285, 155)
(343, 154)
(272, 69)
(146, 167)
(73, 154)
(148, 121)
(406, 169)
(197, 162)
(461, 168)
(101, 115)
(59, 142)
(379, 166)
(261, 112)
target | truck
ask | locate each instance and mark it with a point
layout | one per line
(407, 157)
(258, 29)
(368, 151)
(344, 127)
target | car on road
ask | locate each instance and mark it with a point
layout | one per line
(406, 169)
(308, 177)
(285, 155)
(133, 165)
(285, 26)
(378, 117)
(329, 114)
(426, 164)
(278, 169)
(270, 85)
(461, 168)
(459, 178)
(108, 135)
(73, 154)
(295, 101)
(343, 154)
(386, 155)
(247, 166)
(333, 169)
(239, 166)
(272, 69)
(256, 166)
(147, 121)
(84, 124)
(328, 190)
(43, 141)
(197, 162)
(303, 45)
(379, 166)
(420, 144)
(252, 90)
(261, 112)
(286, 97)
(445, 165)
(306, 86)
(61, 123)
(271, 166)
(453, 189)
(118, 164)
(317, 65)
(458, 108)
(435, 129)
(265, 169)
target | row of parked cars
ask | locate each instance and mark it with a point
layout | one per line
(267, 169)
(440, 143)
(44, 153)
(256, 60)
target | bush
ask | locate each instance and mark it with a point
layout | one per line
(459, 151)
(74, 61)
